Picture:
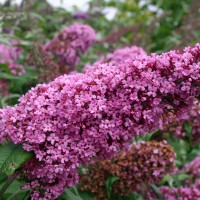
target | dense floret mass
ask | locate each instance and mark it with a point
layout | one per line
(191, 192)
(193, 168)
(70, 42)
(190, 187)
(134, 169)
(119, 56)
(178, 127)
(81, 117)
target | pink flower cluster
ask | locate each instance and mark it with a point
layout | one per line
(193, 120)
(70, 42)
(9, 56)
(184, 192)
(141, 165)
(193, 168)
(119, 56)
(81, 117)
(191, 188)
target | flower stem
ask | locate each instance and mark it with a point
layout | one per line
(7, 184)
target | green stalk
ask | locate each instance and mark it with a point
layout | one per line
(7, 184)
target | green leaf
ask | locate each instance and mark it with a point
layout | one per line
(19, 194)
(134, 195)
(108, 183)
(156, 190)
(8, 76)
(14, 191)
(131, 196)
(4, 40)
(74, 189)
(36, 16)
(68, 195)
(188, 129)
(179, 178)
(12, 156)
(182, 177)
(168, 179)
(10, 97)
(152, 135)
(86, 195)
(3, 178)
(5, 68)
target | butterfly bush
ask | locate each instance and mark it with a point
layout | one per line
(193, 168)
(178, 128)
(119, 56)
(78, 118)
(191, 186)
(191, 192)
(142, 164)
(70, 42)
(9, 56)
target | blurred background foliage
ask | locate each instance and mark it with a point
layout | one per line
(156, 25)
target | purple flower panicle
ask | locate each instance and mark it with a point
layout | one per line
(184, 192)
(119, 56)
(81, 117)
(70, 42)
(191, 186)
(193, 121)
(142, 164)
(193, 168)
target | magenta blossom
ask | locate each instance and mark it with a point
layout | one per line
(193, 168)
(81, 117)
(70, 42)
(184, 192)
(119, 56)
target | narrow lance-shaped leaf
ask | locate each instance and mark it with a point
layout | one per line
(108, 183)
